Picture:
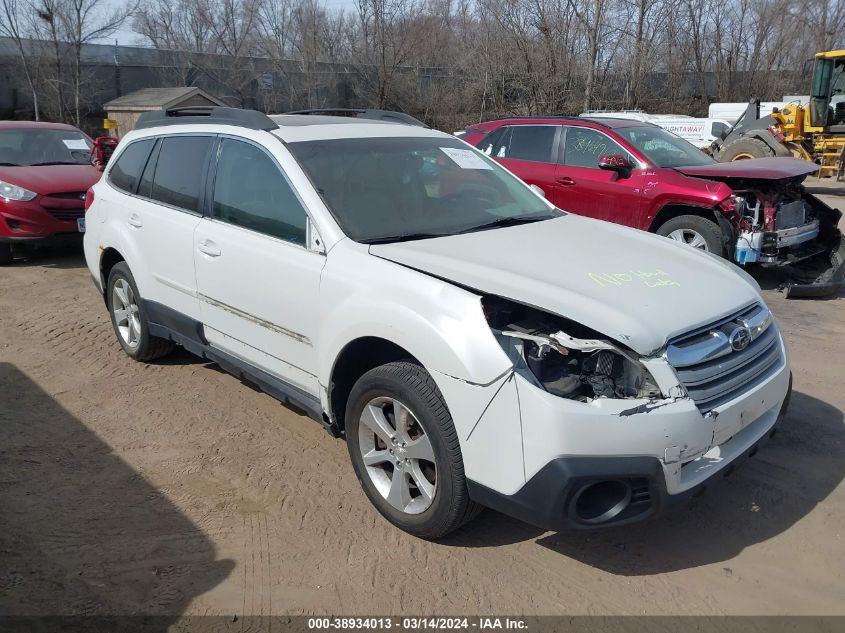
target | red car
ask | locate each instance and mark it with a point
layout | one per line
(45, 171)
(640, 175)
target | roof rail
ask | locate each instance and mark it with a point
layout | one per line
(364, 113)
(251, 119)
(561, 117)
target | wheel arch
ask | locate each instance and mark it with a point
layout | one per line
(674, 209)
(355, 359)
(109, 257)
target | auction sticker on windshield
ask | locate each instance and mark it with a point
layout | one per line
(75, 143)
(465, 158)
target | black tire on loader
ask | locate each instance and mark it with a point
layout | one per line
(743, 148)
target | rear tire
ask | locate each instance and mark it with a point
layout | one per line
(5, 253)
(425, 496)
(745, 148)
(129, 318)
(694, 231)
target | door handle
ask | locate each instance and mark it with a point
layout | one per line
(209, 248)
(566, 180)
(135, 220)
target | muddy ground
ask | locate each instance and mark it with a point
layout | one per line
(173, 488)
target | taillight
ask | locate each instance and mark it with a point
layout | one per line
(89, 199)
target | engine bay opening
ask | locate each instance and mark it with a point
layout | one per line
(564, 358)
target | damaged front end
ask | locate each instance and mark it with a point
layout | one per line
(567, 359)
(778, 224)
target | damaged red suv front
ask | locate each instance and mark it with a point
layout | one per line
(639, 175)
(774, 221)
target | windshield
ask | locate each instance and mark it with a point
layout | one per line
(390, 189)
(33, 146)
(664, 149)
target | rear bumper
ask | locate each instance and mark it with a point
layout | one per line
(555, 498)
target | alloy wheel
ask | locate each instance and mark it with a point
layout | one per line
(690, 238)
(125, 313)
(397, 455)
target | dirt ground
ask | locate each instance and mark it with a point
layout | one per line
(173, 488)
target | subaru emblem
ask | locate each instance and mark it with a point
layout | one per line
(740, 338)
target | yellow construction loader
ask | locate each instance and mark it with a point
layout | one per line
(815, 131)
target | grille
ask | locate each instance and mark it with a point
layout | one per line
(713, 371)
(66, 205)
(66, 214)
(68, 195)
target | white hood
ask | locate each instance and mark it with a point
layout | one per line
(631, 286)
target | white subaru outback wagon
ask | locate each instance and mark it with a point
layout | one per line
(473, 344)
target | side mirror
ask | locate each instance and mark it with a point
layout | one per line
(616, 162)
(538, 191)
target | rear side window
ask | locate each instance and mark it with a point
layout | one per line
(250, 191)
(126, 171)
(584, 147)
(532, 142)
(521, 142)
(179, 169)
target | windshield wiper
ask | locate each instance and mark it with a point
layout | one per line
(9, 165)
(387, 239)
(502, 222)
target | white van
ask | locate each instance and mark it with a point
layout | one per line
(699, 132)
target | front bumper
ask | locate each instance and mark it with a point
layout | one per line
(551, 499)
(30, 222)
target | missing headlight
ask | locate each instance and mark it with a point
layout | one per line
(566, 358)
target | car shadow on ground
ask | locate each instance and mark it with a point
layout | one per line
(58, 256)
(764, 497)
(82, 533)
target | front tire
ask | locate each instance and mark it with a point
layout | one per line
(405, 451)
(5, 253)
(129, 318)
(695, 231)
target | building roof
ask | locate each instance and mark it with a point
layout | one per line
(158, 98)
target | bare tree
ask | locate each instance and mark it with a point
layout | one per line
(83, 22)
(13, 26)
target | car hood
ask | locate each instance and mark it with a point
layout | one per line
(634, 287)
(757, 168)
(48, 179)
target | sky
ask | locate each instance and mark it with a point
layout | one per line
(126, 37)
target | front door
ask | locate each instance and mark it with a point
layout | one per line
(258, 282)
(597, 193)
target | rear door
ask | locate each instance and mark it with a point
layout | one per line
(162, 217)
(529, 151)
(588, 190)
(258, 280)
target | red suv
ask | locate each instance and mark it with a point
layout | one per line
(45, 172)
(640, 175)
